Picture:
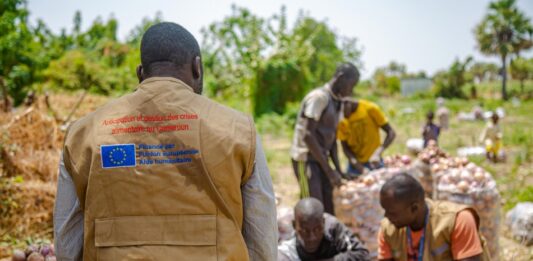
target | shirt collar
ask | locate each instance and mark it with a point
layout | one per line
(333, 95)
(175, 83)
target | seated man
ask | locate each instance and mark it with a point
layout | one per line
(415, 228)
(320, 236)
(360, 137)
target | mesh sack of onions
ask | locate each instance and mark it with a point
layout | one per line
(465, 183)
(417, 168)
(357, 205)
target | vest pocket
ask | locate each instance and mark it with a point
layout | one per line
(440, 250)
(173, 237)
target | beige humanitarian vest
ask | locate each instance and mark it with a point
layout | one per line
(159, 173)
(437, 244)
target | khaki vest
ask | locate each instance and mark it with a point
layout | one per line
(180, 197)
(437, 244)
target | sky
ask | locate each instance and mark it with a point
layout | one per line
(422, 34)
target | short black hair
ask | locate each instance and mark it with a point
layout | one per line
(168, 42)
(347, 70)
(404, 188)
(309, 209)
(430, 115)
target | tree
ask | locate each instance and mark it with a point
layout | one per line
(135, 35)
(396, 69)
(16, 57)
(388, 78)
(450, 83)
(522, 69)
(503, 31)
(481, 71)
(248, 58)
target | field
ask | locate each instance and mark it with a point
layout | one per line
(36, 177)
(407, 116)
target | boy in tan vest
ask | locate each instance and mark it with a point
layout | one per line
(419, 229)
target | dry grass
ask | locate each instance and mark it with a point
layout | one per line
(31, 140)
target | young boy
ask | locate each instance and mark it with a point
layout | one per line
(430, 130)
(492, 137)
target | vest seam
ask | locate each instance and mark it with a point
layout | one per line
(251, 156)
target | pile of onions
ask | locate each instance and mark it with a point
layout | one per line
(397, 161)
(432, 153)
(42, 252)
(466, 183)
(285, 217)
(357, 205)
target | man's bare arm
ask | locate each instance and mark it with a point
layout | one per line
(351, 157)
(391, 135)
(318, 153)
(334, 154)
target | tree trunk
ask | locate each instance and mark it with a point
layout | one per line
(504, 78)
(4, 93)
(78, 103)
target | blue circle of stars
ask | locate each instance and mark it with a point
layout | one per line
(117, 156)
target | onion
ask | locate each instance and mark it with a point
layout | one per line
(45, 250)
(368, 180)
(463, 186)
(479, 176)
(35, 257)
(18, 255)
(405, 159)
(466, 175)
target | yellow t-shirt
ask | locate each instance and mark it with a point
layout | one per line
(361, 130)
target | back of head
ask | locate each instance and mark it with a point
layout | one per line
(348, 71)
(308, 209)
(167, 43)
(430, 115)
(403, 188)
(345, 78)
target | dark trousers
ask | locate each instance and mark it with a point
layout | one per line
(316, 183)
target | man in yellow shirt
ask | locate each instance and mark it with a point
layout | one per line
(359, 135)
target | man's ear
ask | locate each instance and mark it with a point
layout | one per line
(415, 207)
(197, 68)
(140, 73)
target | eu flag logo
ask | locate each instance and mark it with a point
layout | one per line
(117, 155)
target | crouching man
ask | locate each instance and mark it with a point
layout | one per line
(320, 236)
(421, 229)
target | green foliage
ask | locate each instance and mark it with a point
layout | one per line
(248, 58)
(450, 84)
(484, 72)
(16, 54)
(522, 69)
(387, 79)
(34, 58)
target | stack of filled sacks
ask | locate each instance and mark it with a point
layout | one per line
(357, 205)
(463, 182)
(425, 160)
